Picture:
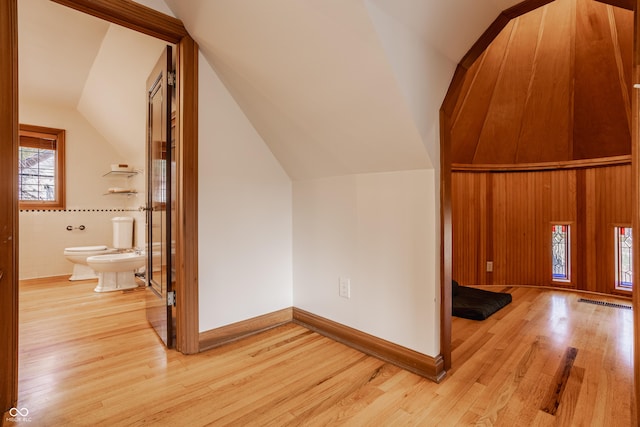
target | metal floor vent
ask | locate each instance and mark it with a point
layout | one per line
(607, 304)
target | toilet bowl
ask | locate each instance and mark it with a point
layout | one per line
(78, 256)
(113, 267)
(116, 272)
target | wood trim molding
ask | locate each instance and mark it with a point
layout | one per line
(132, 15)
(446, 230)
(237, 331)
(625, 4)
(496, 26)
(8, 205)
(151, 22)
(531, 167)
(187, 314)
(418, 363)
(635, 203)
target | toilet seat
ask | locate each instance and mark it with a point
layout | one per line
(86, 248)
(78, 256)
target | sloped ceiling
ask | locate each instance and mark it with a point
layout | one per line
(73, 60)
(317, 83)
(313, 80)
(57, 47)
(555, 85)
(328, 88)
(114, 98)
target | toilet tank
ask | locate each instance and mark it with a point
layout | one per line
(122, 232)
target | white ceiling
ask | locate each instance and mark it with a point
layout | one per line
(57, 47)
(317, 81)
(330, 89)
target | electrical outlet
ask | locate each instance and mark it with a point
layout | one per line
(344, 287)
(489, 266)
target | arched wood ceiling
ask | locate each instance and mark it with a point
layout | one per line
(555, 85)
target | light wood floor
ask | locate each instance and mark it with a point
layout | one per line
(91, 359)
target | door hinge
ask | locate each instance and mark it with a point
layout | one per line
(171, 78)
(171, 299)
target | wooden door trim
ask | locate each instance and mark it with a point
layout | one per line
(151, 22)
(446, 113)
(635, 200)
(8, 204)
(132, 15)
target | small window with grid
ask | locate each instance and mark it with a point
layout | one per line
(41, 168)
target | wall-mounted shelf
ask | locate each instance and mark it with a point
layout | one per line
(120, 174)
(121, 193)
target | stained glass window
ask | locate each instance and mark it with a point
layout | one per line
(560, 252)
(624, 257)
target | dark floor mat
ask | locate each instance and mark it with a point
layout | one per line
(477, 304)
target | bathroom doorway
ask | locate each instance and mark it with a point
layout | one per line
(152, 23)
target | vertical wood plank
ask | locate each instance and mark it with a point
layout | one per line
(580, 241)
(488, 237)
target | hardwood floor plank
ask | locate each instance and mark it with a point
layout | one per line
(92, 359)
(560, 381)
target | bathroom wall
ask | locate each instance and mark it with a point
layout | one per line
(43, 234)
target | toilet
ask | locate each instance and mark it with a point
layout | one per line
(78, 256)
(116, 271)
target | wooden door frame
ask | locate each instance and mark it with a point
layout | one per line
(9, 205)
(148, 21)
(153, 23)
(446, 112)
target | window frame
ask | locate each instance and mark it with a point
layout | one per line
(616, 257)
(57, 135)
(569, 254)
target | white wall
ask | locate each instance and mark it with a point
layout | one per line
(379, 229)
(244, 214)
(376, 230)
(43, 235)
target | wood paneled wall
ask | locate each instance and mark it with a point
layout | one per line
(506, 217)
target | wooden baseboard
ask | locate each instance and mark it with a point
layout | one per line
(41, 280)
(236, 331)
(418, 363)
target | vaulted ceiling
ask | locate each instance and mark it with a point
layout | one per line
(329, 88)
(340, 87)
(555, 85)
